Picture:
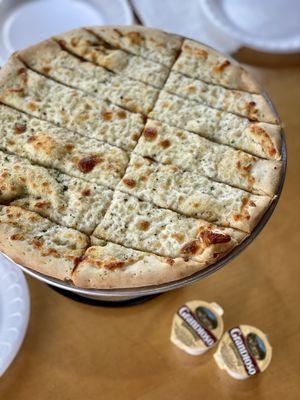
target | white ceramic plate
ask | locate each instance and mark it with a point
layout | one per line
(23, 23)
(14, 311)
(186, 18)
(267, 25)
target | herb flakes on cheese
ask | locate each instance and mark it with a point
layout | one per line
(44, 98)
(54, 147)
(192, 194)
(142, 226)
(258, 138)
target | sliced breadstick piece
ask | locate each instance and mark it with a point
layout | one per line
(68, 201)
(149, 43)
(54, 147)
(192, 194)
(259, 138)
(111, 265)
(249, 105)
(49, 59)
(35, 242)
(202, 62)
(92, 48)
(191, 152)
(27, 91)
(136, 224)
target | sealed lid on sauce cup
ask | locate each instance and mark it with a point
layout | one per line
(197, 326)
(243, 351)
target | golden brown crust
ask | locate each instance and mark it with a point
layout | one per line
(14, 67)
(269, 137)
(151, 43)
(146, 270)
(45, 51)
(222, 71)
(115, 266)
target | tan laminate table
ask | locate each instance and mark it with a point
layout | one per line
(75, 351)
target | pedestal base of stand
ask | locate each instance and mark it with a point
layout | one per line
(103, 303)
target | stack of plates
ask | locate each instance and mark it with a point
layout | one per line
(23, 23)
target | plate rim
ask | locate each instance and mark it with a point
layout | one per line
(280, 47)
(21, 300)
(6, 6)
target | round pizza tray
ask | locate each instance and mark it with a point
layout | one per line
(126, 294)
(121, 295)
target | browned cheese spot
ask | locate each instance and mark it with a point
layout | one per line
(31, 139)
(62, 43)
(135, 38)
(191, 89)
(210, 238)
(51, 252)
(17, 236)
(106, 115)
(143, 178)
(194, 51)
(264, 138)
(42, 204)
(121, 114)
(251, 110)
(221, 67)
(150, 133)
(19, 90)
(129, 182)
(32, 106)
(74, 42)
(37, 243)
(165, 143)
(19, 128)
(178, 237)
(88, 163)
(143, 225)
(245, 201)
(46, 70)
(21, 71)
(22, 179)
(86, 192)
(170, 261)
(69, 147)
(190, 248)
(115, 264)
(247, 168)
(149, 159)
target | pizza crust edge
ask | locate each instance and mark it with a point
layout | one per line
(14, 243)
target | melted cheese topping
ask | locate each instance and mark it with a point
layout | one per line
(220, 126)
(191, 152)
(135, 223)
(157, 45)
(92, 48)
(50, 60)
(190, 193)
(199, 62)
(60, 148)
(73, 109)
(68, 201)
(252, 106)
